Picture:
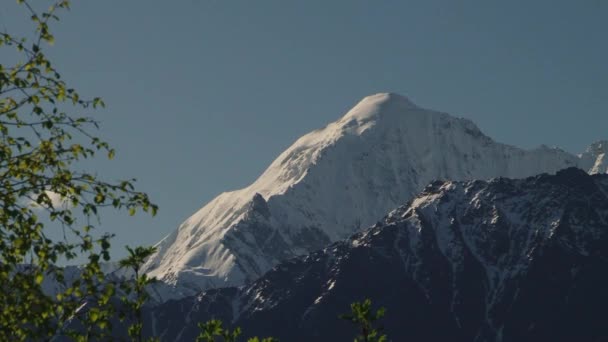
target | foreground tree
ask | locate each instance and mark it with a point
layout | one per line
(134, 291)
(361, 315)
(45, 131)
(214, 331)
(364, 318)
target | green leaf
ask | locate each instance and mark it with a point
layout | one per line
(41, 142)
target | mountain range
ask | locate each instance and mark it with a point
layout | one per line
(497, 260)
(334, 182)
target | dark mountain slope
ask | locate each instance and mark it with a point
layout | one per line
(499, 260)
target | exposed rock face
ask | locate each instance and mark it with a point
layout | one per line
(498, 260)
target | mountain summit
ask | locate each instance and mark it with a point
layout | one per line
(334, 181)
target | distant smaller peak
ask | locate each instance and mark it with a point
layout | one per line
(598, 147)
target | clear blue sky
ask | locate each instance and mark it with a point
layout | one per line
(203, 94)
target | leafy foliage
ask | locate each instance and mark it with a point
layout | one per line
(361, 315)
(135, 289)
(43, 136)
(364, 318)
(213, 331)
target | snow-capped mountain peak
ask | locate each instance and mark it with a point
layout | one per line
(382, 106)
(334, 181)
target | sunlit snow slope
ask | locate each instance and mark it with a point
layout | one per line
(336, 180)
